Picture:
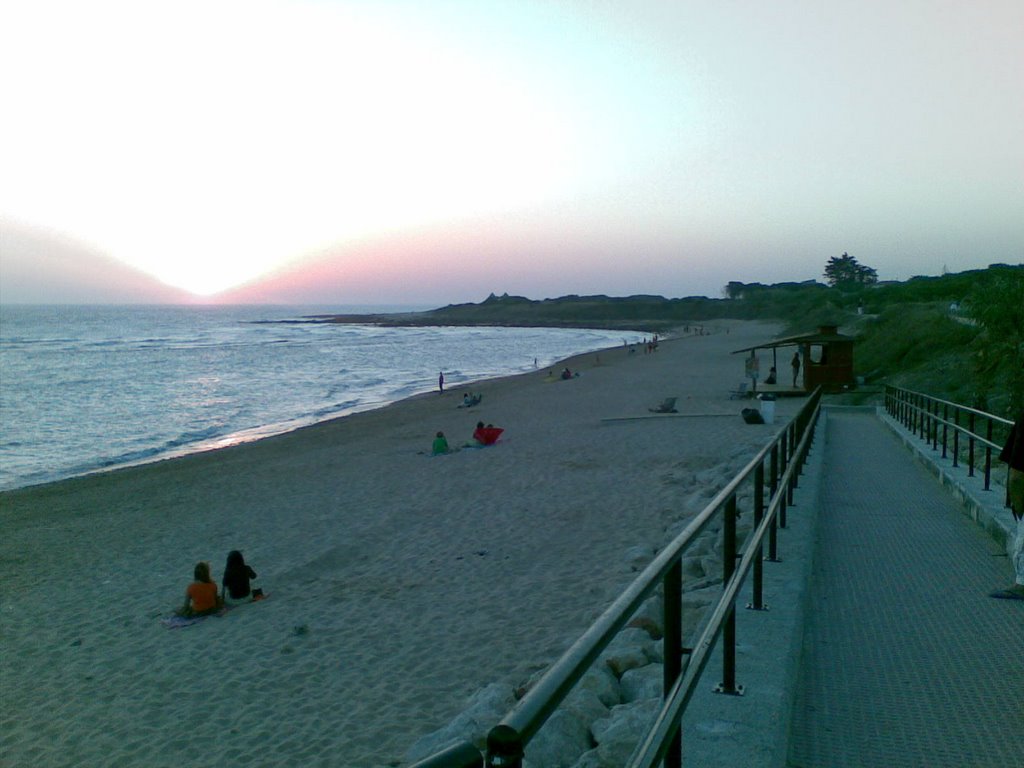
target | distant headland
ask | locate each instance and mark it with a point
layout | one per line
(801, 304)
(647, 313)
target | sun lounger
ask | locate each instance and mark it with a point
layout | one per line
(668, 405)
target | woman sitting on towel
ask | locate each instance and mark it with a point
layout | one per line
(201, 595)
(236, 579)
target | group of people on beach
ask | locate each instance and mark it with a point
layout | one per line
(202, 597)
(482, 435)
(794, 364)
(469, 400)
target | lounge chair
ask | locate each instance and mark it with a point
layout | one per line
(740, 393)
(668, 405)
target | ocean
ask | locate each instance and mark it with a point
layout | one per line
(85, 388)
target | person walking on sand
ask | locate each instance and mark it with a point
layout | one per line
(1013, 454)
(796, 367)
(440, 382)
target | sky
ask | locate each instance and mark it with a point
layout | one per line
(427, 153)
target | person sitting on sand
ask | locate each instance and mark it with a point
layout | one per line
(440, 444)
(566, 374)
(486, 435)
(201, 595)
(478, 433)
(236, 581)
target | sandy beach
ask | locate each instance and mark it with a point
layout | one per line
(399, 583)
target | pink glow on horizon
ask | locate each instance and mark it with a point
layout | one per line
(421, 153)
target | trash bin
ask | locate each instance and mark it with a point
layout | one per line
(767, 407)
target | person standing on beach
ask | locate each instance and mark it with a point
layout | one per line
(1013, 454)
(440, 382)
(796, 367)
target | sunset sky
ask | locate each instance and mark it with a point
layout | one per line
(430, 152)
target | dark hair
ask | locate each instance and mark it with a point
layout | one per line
(235, 560)
(202, 572)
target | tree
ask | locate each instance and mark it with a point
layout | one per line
(997, 306)
(845, 271)
(734, 290)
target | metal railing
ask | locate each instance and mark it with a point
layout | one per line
(975, 434)
(776, 468)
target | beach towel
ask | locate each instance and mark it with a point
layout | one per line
(177, 622)
(489, 435)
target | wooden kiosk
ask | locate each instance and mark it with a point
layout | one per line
(826, 359)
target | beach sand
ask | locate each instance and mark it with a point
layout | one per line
(399, 583)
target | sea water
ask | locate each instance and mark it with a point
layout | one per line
(84, 388)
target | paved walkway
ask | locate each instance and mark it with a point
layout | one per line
(906, 661)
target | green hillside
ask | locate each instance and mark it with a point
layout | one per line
(959, 336)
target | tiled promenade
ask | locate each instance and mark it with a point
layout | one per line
(906, 660)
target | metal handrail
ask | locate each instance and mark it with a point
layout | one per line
(919, 413)
(785, 453)
(655, 746)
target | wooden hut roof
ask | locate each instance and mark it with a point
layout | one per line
(824, 335)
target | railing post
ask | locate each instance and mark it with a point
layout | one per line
(956, 437)
(728, 684)
(795, 443)
(945, 427)
(988, 454)
(773, 531)
(673, 650)
(758, 602)
(783, 463)
(935, 426)
(793, 458)
(504, 748)
(970, 446)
